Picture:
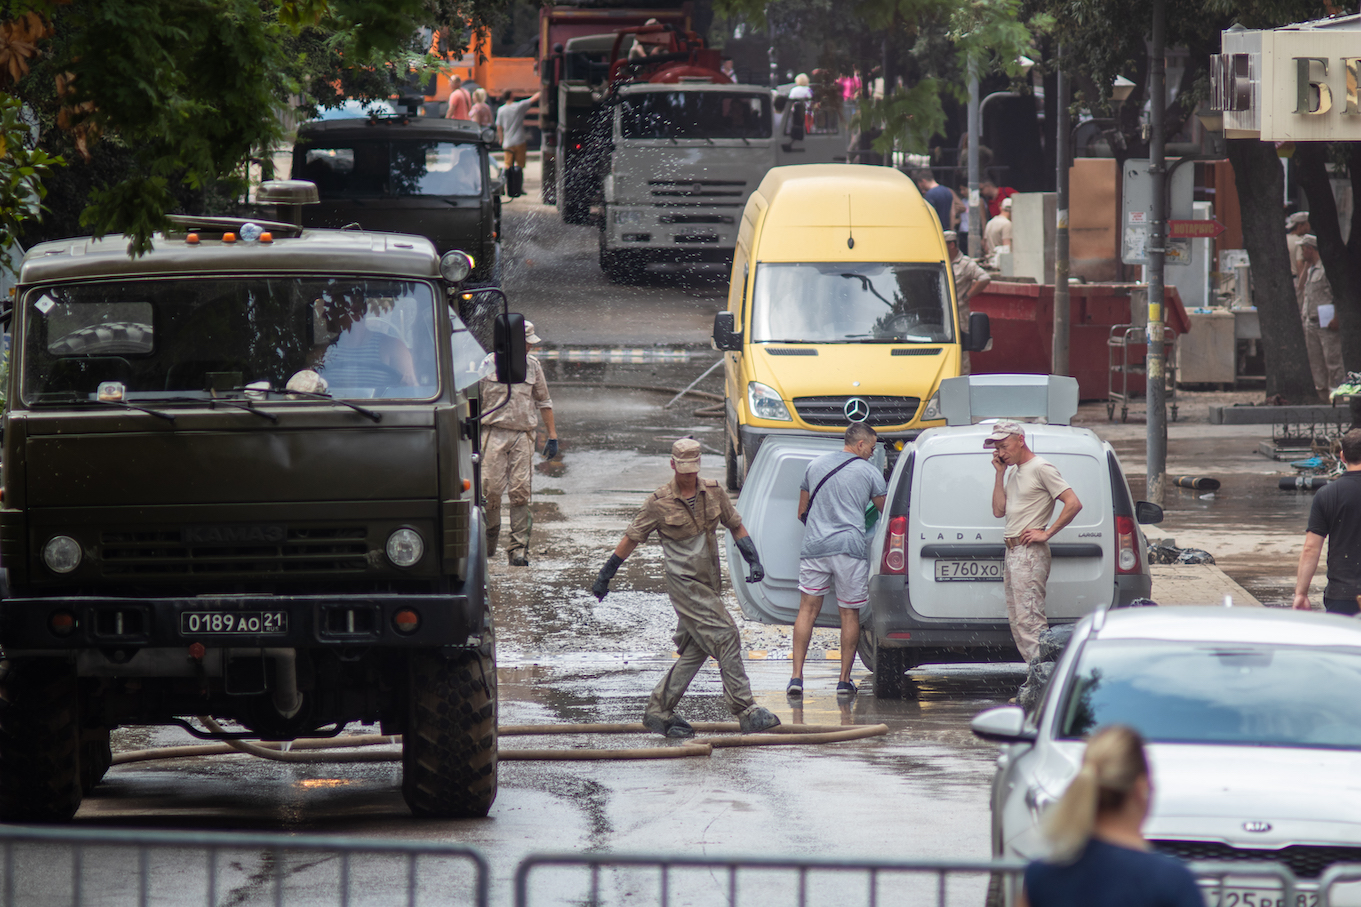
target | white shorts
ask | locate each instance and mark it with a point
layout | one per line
(850, 575)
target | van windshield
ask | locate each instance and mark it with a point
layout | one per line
(849, 302)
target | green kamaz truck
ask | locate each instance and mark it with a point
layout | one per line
(240, 484)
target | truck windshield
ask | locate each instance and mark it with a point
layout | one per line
(369, 168)
(851, 302)
(694, 115)
(193, 338)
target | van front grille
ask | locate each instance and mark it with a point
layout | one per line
(233, 551)
(883, 411)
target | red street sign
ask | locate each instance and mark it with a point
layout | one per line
(1194, 229)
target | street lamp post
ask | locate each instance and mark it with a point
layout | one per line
(1062, 307)
(1157, 261)
(975, 128)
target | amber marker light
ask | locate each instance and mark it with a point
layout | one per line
(467, 483)
(192, 239)
(406, 621)
(229, 237)
(266, 237)
(62, 623)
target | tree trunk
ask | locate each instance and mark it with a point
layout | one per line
(1340, 261)
(1261, 184)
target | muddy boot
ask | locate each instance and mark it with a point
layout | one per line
(668, 727)
(757, 718)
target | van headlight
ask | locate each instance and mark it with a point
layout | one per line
(765, 403)
(405, 547)
(932, 410)
(61, 554)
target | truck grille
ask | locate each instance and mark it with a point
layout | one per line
(1305, 860)
(168, 552)
(678, 191)
(832, 410)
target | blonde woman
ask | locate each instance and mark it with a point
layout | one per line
(1100, 857)
(481, 111)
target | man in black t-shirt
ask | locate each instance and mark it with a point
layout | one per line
(1336, 516)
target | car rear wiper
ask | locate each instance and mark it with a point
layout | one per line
(312, 395)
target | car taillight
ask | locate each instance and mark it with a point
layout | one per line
(895, 546)
(1127, 552)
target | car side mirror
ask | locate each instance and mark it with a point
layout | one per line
(512, 357)
(726, 336)
(796, 114)
(980, 332)
(1147, 512)
(1002, 725)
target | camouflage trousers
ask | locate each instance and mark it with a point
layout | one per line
(507, 465)
(1025, 571)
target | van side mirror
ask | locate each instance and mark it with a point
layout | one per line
(1147, 512)
(512, 358)
(980, 332)
(726, 336)
(796, 114)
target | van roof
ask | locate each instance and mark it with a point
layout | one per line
(953, 439)
(844, 212)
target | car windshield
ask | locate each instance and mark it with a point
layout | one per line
(694, 115)
(161, 339)
(851, 303)
(345, 169)
(1241, 694)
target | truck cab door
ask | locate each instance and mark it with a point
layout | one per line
(769, 506)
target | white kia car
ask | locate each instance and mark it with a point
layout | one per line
(1253, 723)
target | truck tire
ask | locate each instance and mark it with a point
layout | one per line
(734, 468)
(575, 211)
(96, 756)
(449, 748)
(890, 667)
(619, 267)
(40, 772)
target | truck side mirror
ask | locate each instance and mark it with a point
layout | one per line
(796, 115)
(512, 358)
(980, 332)
(726, 337)
(1146, 512)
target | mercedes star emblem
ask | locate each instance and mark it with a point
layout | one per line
(1257, 826)
(856, 410)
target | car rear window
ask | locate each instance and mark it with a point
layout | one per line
(400, 168)
(956, 489)
(1241, 694)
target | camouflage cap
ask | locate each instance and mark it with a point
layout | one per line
(1002, 430)
(685, 454)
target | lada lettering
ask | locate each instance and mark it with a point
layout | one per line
(234, 535)
(1089, 535)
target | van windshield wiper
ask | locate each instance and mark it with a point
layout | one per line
(867, 285)
(311, 395)
(213, 401)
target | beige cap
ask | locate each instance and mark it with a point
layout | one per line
(1296, 219)
(530, 336)
(685, 453)
(1003, 430)
(951, 236)
(1006, 202)
(1309, 239)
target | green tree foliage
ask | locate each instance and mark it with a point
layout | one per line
(22, 171)
(165, 101)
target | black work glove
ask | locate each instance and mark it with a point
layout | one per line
(748, 549)
(550, 448)
(601, 587)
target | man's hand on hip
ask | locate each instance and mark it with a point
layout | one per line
(1034, 537)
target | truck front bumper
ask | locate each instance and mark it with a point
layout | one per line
(660, 233)
(295, 621)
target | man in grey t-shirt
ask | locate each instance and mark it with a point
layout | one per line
(834, 550)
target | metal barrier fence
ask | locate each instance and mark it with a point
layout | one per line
(116, 867)
(668, 880)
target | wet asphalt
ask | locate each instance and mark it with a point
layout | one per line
(919, 792)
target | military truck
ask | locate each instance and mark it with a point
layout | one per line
(240, 483)
(424, 175)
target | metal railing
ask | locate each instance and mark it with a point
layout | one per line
(1222, 882)
(1337, 874)
(118, 866)
(667, 879)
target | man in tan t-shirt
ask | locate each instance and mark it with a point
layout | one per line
(1026, 501)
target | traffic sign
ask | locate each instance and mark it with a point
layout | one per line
(1194, 229)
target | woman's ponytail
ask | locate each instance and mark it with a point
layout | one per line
(1113, 762)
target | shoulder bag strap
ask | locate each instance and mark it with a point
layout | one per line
(840, 466)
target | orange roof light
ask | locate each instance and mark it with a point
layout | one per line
(229, 237)
(192, 239)
(266, 237)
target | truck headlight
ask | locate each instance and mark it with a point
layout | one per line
(455, 266)
(765, 403)
(405, 547)
(61, 554)
(932, 410)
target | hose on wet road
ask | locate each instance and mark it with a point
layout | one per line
(355, 748)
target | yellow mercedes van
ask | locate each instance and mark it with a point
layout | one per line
(841, 309)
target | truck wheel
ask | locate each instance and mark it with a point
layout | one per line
(619, 267)
(575, 211)
(890, 673)
(40, 771)
(449, 748)
(96, 756)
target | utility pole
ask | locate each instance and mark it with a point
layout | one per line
(1157, 262)
(975, 128)
(774, 61)
(1062, 306)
